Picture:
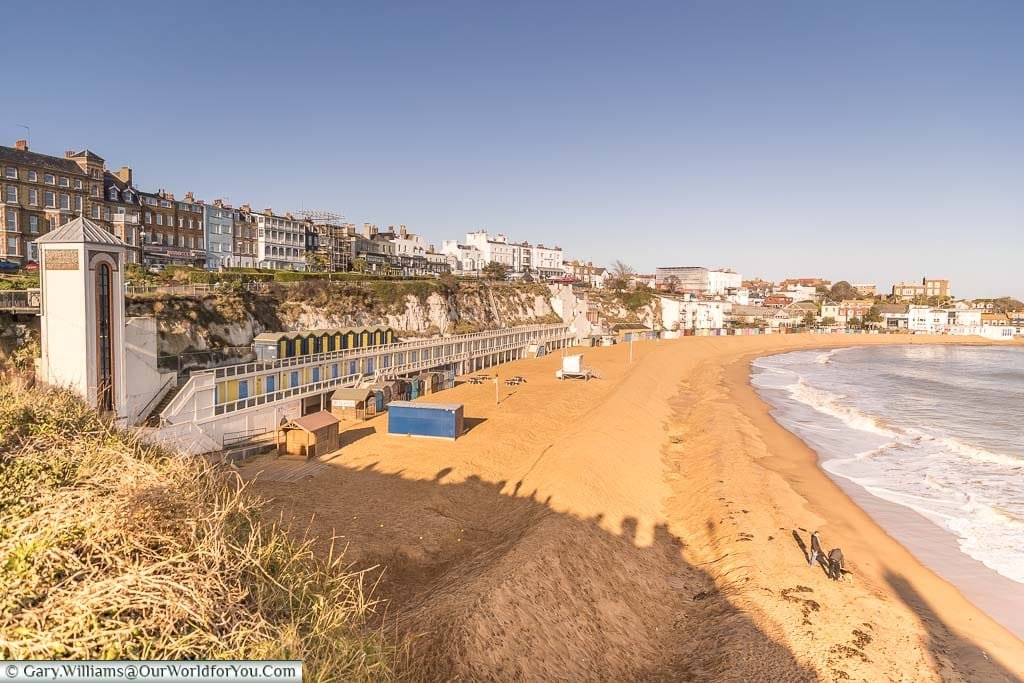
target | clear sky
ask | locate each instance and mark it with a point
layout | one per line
(868, 141)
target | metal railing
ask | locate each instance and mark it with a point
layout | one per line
(198, 289)
(20, 300)
(523, 335)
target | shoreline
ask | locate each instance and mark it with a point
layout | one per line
(938, 549)
(862, 535)
(639, 526)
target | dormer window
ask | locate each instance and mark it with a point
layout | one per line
(128, 195)
(113, 194)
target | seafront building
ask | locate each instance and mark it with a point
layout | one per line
(280, 241)
(219, 224)
(929, 288)
(698, 280)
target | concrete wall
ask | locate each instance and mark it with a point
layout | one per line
(145, 383)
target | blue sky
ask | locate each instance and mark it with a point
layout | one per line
(869, 141)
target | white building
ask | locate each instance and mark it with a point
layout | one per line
(684, 313)
(468, 258)
(926, 319)
(518, 257)
(698, 280)
(281, 242)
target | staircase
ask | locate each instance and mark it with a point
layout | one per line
(153, 419)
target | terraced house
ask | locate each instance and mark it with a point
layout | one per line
(41, 192)
(281, 241)
(173, 230)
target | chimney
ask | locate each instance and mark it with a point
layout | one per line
(268, 212)
(21, 145)
(246, 208)
(218, 202)
(125, 174)
(366, 229)
(189, 197)
(402, 231)
(69, 153)
(289, 216)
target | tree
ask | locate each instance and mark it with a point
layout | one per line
(622, 270)
(843, 290)
(316, 261)
(853, 322)
(828, 321)
(359, 264)
(495, 271)
(874, 315)
(810, 318)
(672, 283)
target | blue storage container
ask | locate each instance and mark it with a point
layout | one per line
(443, 420)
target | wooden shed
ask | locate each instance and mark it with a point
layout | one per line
(354, 404)
(310, 436)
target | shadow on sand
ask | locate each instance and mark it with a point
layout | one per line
(971, 663)
(496, 584)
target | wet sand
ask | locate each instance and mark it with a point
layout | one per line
(640, 526)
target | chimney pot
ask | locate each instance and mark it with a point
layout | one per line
(22, 145)
(69, 153)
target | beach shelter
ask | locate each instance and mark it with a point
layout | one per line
(309, 436)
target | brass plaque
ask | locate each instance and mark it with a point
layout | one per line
(61, 259)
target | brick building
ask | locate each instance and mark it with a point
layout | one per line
(173, 230)
(40, 192)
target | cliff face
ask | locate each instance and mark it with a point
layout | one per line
(220, 328)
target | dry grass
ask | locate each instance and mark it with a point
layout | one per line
(113, 549)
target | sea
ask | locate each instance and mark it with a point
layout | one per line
(920, 432)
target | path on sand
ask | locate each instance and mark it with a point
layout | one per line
(635, 527)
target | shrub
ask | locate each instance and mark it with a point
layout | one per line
(115, 549)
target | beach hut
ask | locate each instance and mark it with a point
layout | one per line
(310, 436)
(354, 404)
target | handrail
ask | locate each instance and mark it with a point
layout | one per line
(160, 393)
(343, 354)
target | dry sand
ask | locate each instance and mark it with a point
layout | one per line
(636, 527)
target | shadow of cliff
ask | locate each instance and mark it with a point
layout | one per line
(953, 652)
(493, 583)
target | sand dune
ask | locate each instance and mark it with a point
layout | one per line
(638, 527)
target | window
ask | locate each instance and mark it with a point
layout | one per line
(49, 179)
(12, 220)
(149, 217)
(181, 222)
(49, 200)
(181, 241)
(52, 220)
(96, 211)
(11, 172)
(113, 194)
(12, 246)
(64, 182)
(33, 251)
(33, 176)
(105, 379)
(78, 203)
(12, 194)
(33, 224)
(65, 202)
(159, 219)
(33, 197)
(78, 184)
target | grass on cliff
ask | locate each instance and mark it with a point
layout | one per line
(113, 549)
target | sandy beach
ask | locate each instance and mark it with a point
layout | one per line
(642, 526)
